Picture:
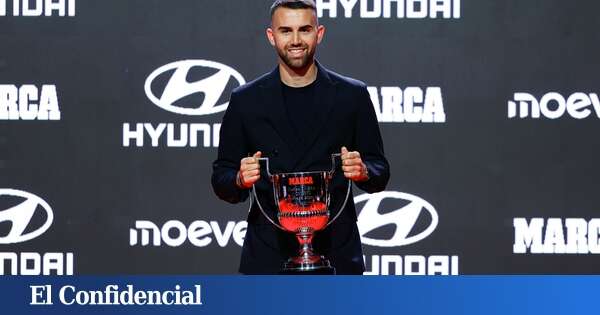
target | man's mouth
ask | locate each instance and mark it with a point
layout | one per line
(296, 52)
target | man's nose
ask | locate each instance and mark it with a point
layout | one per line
(296, 38)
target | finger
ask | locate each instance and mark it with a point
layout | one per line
(353, 168)
(352, 161)
(354, 155)
(251, 163)
(251, 180)
(248, 174)
(244, 167)
(251, 173)
(252, 159)
(347, 168)
(353, 171)
(344, 152)
(248, 160)
(349, 175)
(253, 166)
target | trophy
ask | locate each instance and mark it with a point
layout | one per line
(302, 200)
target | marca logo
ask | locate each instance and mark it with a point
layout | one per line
(28, 102)
(553, 105)
(38, 7)
(20, 217)
(178, 87)
(300, 180)
(404, 219)
(411, 105)
(373, 9)
(556, 236)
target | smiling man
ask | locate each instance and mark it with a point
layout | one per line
(298, 115)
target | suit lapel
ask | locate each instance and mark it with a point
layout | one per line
(272, 96)
(273, 100)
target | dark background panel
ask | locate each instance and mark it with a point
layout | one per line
(479, 169)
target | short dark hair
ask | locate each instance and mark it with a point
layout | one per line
(294, 4)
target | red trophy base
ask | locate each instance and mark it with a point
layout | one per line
(304, 221)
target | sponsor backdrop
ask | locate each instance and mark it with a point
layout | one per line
(110, 114)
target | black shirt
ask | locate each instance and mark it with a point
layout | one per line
(302, 108)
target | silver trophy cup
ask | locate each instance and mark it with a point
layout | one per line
(302, 201)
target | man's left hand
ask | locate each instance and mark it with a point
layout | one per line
(353, 166)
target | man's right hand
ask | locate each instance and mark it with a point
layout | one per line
(249, 171)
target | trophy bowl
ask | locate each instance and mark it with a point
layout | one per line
(302, 201)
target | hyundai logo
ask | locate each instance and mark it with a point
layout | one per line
(21, 216)
(178, 87)
(404, 219)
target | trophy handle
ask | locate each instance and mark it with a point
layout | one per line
(333, 156)
(255, 197)
(271, 177)
(266, 160)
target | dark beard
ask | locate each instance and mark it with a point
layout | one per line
(297, 63)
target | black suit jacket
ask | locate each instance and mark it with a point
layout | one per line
(256, 120)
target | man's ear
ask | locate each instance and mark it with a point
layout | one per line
(320, 33)
(270, 36)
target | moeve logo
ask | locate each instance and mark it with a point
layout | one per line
(404, 218)
(178, 87)
(21, 215)
(175, 233)
(554, 105)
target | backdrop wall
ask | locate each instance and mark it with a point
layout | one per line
(110, 111)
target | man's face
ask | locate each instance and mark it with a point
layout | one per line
(295, 35)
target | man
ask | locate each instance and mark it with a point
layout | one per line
(297, 116)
